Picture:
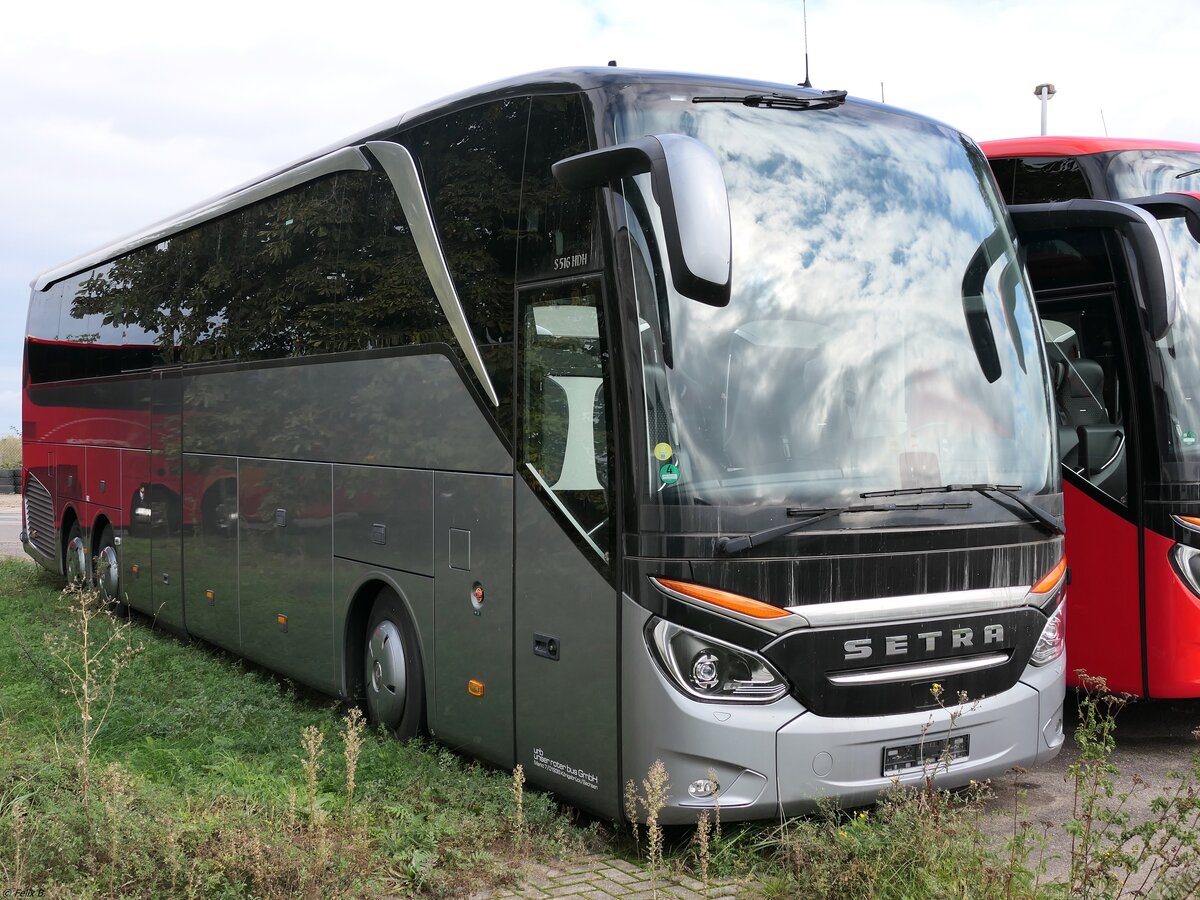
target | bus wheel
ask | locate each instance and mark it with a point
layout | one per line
(395, 684)
(76, 556)
(108, 572)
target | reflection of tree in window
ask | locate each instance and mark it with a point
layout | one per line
(325, 268)
(471, 165)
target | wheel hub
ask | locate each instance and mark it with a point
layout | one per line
(386, 674)
(108, 573)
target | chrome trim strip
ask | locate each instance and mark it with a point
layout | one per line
(1112, 459)
(913, 606)
(919, 671)
(401, 170)
(348, 159)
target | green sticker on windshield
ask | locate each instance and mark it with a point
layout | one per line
(669, 474)
(1189, 438)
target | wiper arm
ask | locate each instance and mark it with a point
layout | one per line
(1041, 517)
(730, 546)
(824, 100)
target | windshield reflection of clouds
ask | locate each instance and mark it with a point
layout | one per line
(843, 362)
(1141, 173)
(1180, 353)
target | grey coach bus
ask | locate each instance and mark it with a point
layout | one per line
(587, 419)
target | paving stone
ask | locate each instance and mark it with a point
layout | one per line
(614, 874)
(572, 878)
(626, 866)
(571, 890)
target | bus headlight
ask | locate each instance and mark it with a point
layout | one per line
(1053, 640)
(708, 669)
(1187, 565)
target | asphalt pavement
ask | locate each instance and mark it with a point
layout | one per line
(10, 525)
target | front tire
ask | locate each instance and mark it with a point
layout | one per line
(75, 556)
(393, 676)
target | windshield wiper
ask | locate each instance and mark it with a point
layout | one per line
(824, 100)
(730, 546)
(1041, 517)
(1187, 173)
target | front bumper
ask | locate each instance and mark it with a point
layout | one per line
(780, 758)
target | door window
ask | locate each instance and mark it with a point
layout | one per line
(566, 434)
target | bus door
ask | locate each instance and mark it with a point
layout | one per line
(1090, 378)
(1171, 535)
(1087, 295)
(566, 651)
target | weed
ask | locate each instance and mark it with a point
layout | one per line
(1110, 854)
(311, 762)
(520, 825)
(702, 844)
(92, 653)
(654, 798)
(352, 740)
(631, 814)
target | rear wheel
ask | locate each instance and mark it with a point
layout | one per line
(395, 683)
(107, 572)
(75, 560)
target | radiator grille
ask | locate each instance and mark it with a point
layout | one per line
(39, 517)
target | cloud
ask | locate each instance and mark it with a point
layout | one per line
(117, 115)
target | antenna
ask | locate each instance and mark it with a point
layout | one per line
(806, 83)
(1103, 122)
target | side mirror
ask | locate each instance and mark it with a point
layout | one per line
(1137, 229)
(690, 190)
(1172, 206)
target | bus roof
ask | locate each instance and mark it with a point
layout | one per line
(1052, 145)
(544, 82)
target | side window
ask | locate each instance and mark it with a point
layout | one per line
(471, 166)
(558, 227)
(1091, 389)
(86, 337)
(1040, 179)
(566, 429)
(327, 267)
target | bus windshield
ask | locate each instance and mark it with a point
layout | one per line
(1142, 173)
(880, 334)
(1179, 350)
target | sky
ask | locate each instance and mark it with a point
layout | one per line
(116, 115)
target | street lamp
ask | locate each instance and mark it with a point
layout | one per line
(1044, 92)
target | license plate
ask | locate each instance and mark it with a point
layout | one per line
(905, 758)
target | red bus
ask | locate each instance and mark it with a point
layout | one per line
(1129, 412)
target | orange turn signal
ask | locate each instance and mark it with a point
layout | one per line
(475, 688)
(1194, 521)
(735, 602)
(1051, 578)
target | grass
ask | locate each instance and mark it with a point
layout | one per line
(210, 777)
(207, 776)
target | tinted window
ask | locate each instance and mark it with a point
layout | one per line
(82, 341)
(327, 267)
(557, 225)
(1040, 179)
(471, 165)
